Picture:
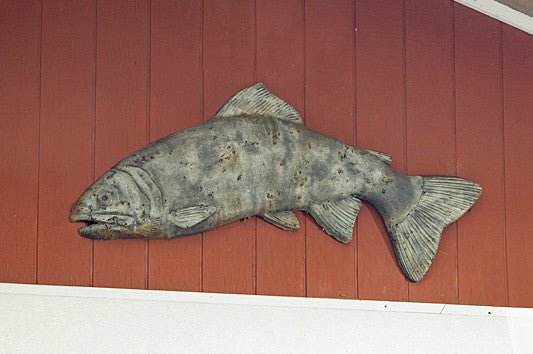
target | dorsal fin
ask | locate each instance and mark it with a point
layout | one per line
(256, 100)
(284, 219)
(337, 218)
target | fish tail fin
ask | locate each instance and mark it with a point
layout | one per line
(417, 234)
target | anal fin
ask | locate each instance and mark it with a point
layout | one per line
(283, 219)
(337, 218)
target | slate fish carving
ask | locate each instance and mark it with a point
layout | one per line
(255, 157)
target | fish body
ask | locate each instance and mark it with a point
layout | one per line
(255, 157)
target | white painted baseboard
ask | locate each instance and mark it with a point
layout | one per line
(51, 319)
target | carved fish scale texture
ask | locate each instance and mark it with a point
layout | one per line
(255, 157)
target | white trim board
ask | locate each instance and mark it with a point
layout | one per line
(62, 319)
(262, 300)
(502, 13)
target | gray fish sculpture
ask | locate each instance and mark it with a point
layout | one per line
(255, 157)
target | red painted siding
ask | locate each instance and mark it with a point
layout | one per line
(431, 125)
(176, 99)
(67, 119)
(329, 108)
(20, 37)
(381, 124)
(229, 47)
(442, 88)
(518, 130)
(122, 53)
(280, 29)
(478, 92)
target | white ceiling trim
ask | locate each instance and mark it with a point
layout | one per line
(501, 12)
(261, 300)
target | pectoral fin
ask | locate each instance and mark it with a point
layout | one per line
(285, 219)
(337, 218)
(188, 217)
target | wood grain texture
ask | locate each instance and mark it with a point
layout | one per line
(175, 104)
(229, 60)
(280, 66)
(121, 123)
(67, 119)
(330, 109)
(478, 91)
(380, 126)
(431, 126)
(20, 24)
(518, 128)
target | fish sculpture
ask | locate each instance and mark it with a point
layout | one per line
(255, 157)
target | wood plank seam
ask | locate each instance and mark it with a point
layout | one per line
(504, 196)
(405, 125)
(202, 44)
(148, 97)
(454, 112)
(93, 132)
(304, 54)
(356, 226)
(36, 270)
(254, 251)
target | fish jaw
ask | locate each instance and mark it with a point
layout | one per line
(113, 208)
(104, 226)
(114, 225)
(101, 225)
(102, 231)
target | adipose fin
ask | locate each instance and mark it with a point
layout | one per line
(386, 158)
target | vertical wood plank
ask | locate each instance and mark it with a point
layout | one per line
(229, 59)
(380, 126)
(431, 126)
(280, 66)
(121, 123)
(175, 104)
(20, 28)
(518, 128)
(330, 109)
(67, 121)
(478, 91)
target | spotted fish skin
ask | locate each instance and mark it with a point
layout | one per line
(255, 157)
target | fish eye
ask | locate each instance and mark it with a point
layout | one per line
(106, 197)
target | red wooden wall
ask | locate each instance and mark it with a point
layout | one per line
(442, 88)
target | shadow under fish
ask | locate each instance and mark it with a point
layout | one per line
(255, 157)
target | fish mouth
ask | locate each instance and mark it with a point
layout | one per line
(104, 226)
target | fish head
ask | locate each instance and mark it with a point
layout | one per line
(123, 203)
